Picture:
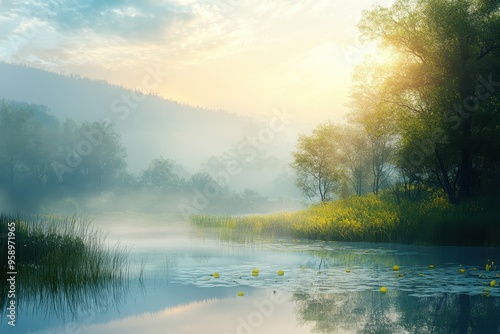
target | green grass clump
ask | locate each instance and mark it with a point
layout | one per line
(370, 218)
(436, 221)
(353, 219)
(59, 258)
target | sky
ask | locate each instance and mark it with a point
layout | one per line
(242, 56)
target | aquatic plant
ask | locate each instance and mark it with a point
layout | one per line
(59, 258)
(368, 218)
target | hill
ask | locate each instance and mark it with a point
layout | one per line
(150, 125)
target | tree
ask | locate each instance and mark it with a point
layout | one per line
(13, 139)
(445, 57)
(317, 162)
(26, 146)
(91, 155)
(160, 176)
(107, 160)
(356, 158)
(379, 129)
(204, 183)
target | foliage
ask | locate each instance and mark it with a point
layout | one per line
(160, 176)
(41, 158)
(436, 79)
(378, 131)
(371, 218)
(67, 246)
(58, 256)
(340, 160)
(316, 162)
(71, 167)
(25, 144)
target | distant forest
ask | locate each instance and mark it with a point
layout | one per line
(70, 166)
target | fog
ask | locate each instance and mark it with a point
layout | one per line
(71, 144)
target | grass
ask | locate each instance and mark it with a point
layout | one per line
(60, 259)
(371, 218)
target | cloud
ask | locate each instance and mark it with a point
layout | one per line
(243, 55)
(186, 29)
(192, 31)
(123, 18)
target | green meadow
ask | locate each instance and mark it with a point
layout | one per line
(383, 218)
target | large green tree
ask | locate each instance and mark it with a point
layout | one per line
(442, 81)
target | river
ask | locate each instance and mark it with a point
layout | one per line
(325, 287)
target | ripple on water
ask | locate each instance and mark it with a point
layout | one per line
(420, 281)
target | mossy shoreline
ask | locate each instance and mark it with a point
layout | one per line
(370, 218)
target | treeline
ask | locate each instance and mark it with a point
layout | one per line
(424, 112)
(42, 158)
(45, 163)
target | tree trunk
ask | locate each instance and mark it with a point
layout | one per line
(464, 182)
(377, 182)
(320, 189)
(448, 188)
(467, 90)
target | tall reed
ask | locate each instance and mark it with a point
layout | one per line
(60, 259)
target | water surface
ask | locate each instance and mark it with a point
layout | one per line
(327, 287)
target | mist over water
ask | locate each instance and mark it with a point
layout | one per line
(124, 150)
(172, 280)
(249, 167)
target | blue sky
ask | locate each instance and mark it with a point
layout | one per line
(247, 56)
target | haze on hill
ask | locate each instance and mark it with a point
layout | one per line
(188, 140)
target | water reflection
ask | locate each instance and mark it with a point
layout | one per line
(186, 309)
(341, 268)
(73, 303)
(180, 295)
(397, 312)
(41, 304)
(260, 311)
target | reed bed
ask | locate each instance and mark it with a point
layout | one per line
(369, 218)
(63, 259)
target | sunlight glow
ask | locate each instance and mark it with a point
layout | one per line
(245, 57)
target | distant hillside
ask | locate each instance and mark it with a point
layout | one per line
(152, 127)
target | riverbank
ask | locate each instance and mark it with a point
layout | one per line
(370, 218)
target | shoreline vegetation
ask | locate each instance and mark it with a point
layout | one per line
(370, 218)
(61, 261)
